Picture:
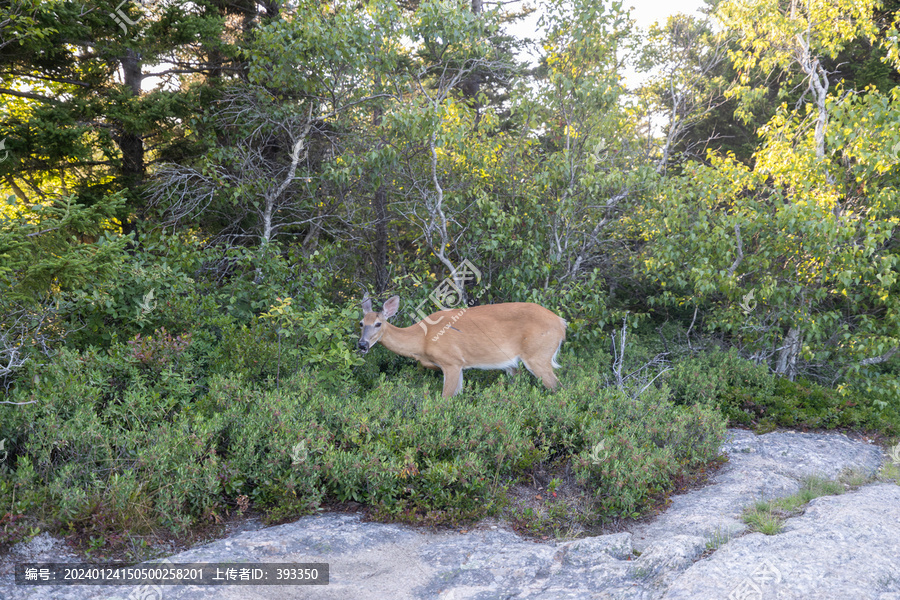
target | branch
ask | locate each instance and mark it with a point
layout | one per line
(66, 80)
(295, 160)
(688, 334)
(29, 95)
(877, 360)
(740, 250)
(437, 212)
(591, 241)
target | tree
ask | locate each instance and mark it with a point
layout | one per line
(275, 163)
(796, 34)
(684, 59)
(78, 119)
(794, 254)
(452, 44)
(41, 272)
(592, 163)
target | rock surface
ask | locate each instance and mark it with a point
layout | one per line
(845, 546)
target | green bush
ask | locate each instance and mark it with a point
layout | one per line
(702, 379)
(805, 404)
(97, 437)
(140, 436)
(248, 352)
(634, 447)
(750, 396)
(142, 295)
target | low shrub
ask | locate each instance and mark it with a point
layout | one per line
(704, 378)
(111, 445)
(636, 446)
(805, 404)
(750, 396)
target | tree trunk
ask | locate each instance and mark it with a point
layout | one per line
(786, 365)
(311, 240)
(130, 142)
(379, 204)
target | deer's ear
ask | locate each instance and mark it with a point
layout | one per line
(390, 307)
(367, 305)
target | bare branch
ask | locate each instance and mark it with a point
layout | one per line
(740, 251)
(877, 360)
(29, 95)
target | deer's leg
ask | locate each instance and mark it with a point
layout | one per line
(453, 381)
(544, 369)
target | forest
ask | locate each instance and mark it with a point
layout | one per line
(196, 195)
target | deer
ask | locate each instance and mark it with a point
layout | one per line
(491, 336)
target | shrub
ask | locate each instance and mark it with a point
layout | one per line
(158, 350)
(704, 378)
(634, 447)
(805, 404)
(111, 444)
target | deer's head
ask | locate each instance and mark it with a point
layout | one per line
(373, 323)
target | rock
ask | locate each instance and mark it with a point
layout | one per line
(759, 468)
(667, 558)
(845, 546)
(586, 550)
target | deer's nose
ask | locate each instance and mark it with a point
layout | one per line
(363, 345)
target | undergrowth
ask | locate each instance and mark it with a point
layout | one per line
(169, 431)
(112, 445)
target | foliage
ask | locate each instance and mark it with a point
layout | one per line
(748, 395)
(156, 352)
(687, 79)
(324, 333)
(822, 27)
(704, 378)
(635, 447)
(36, 249)
(805, 404)
(42, 273)
(768, 517)
(111, 445)
(781, 251)
(80, 128)
(592, 170)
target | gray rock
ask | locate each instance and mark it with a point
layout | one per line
(667, 558)
(759, 468)
(586, 550)
(844, 546)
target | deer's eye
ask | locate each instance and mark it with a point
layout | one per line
(377, 324)
(360, 323)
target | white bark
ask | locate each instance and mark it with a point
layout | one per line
(740, 251)
(818, 86)
(877, 360)
(272, 196)
(789, 353)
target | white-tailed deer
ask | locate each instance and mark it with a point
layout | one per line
(493, 336)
